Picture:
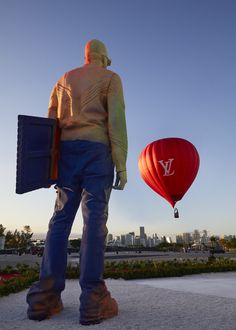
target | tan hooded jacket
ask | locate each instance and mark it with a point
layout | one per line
(89, 103)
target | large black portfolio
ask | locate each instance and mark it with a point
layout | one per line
(37, 153)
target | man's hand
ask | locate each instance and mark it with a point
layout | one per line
(121, 180)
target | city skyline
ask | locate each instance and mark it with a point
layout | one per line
(148, 234)
(177, 65)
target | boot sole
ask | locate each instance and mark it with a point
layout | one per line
(37, 316)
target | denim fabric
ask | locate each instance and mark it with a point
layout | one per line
(85, 175)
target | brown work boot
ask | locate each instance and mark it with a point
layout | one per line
(56, 309)
(105, 308)
(40, 312)
(109, 308)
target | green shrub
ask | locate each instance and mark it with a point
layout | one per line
(127, 270)
(26, 276)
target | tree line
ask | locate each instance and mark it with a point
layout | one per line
(17, 238)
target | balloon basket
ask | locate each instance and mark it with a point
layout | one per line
(176, 213)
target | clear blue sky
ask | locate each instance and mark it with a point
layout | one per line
(177, 62)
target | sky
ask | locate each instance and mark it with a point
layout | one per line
(176, 59)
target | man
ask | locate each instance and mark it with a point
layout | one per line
(88, 103)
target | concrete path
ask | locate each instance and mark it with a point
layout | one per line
(196, 302)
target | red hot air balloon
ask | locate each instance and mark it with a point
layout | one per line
(169, 166)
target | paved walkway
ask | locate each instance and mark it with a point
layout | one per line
(195, 302)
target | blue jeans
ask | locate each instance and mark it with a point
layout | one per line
(86, 175)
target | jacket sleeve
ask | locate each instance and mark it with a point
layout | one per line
(53, 104)
(117, 123)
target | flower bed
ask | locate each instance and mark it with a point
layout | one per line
(7, 277)
(127, 270)
(15, 279)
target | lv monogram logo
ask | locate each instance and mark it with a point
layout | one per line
(167, 167)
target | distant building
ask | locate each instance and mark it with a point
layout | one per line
(129, 239)
(150, 242)
(229, 237)
(204, 237)
(204, 233)
(156, 240)
(187, 238)
(123, 239)
(168, 239)
(143, 236)
(117, 239)
(163, 239)
(109, 238)
(196, 236)
(179, 239)
(141, 232)
(137, 240)
(143, 241)
(2, 242)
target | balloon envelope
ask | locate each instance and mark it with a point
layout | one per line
(169, 166)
